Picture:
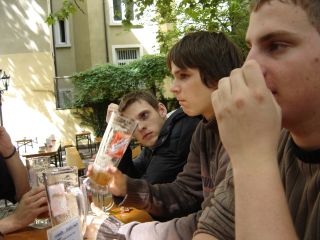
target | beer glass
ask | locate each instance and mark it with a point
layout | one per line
(103, 201)
(36, 166)
(114, 143)
(66, 199)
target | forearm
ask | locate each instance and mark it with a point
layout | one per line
(19, 175)
(162, 200)
(261, 210)
(178, 228)
(9, 224)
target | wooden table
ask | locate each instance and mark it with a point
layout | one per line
(51, 151)
(36, 234)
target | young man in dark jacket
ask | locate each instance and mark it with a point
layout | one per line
(166, 141)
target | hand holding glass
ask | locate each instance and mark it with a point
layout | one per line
(36, 166)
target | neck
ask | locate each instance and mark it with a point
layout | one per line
(307, 139)
(209, 114)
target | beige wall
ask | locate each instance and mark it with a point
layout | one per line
(87, 38)
(65, 56)
(81, 40)
(97, 32)
(28, 106)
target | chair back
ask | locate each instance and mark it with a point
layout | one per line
(73, 158)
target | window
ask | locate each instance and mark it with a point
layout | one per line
(118, 10)
(61, 33)
(64, 92)
(124, 54)
(65, 97)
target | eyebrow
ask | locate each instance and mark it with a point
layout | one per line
(272, 35)
(176, 71)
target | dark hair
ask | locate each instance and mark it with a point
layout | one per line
(210, 52)
(311, 7)
(133, 97)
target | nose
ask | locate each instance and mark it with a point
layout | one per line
(174, 88)
(140, 126)
(257, 56)
(251, 54)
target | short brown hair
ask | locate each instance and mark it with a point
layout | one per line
(210, 52)
(136, 96)
(311, 7)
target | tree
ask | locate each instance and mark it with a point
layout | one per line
(229, 16)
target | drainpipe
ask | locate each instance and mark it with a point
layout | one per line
(105, 29)
(54, 59)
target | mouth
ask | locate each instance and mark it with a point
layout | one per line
(146, 135)
(181, 101)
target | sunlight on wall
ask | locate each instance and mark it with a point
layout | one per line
(26, 121)
(28, 107)
(147, 37)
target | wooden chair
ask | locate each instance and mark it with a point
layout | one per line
(73, 159)
(97, 142)
(136, 151)
(24, 142)
(84, 136)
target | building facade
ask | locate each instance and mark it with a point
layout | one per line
(40, 60)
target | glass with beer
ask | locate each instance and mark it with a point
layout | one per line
(36, 166)
(112, 148)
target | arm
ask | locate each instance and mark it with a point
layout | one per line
(30, 206)
(15, 166)
(172, 200)
(178, 228)
(179, 198)
(249, 122)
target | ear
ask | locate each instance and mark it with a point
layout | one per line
(162, 110)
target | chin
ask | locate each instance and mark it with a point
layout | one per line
(190, 113)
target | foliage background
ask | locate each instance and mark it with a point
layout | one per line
(182, 16)
(99, 86)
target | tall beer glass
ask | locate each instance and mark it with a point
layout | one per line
(36, 166)
(113, 145)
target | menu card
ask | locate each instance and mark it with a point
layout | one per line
(69, 230)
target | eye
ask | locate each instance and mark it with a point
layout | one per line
(277, 47)
(182, 76)
(144, 116)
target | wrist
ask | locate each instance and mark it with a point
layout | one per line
(10, 155)
(9, 224)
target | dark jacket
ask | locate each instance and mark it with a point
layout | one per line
(162, 163)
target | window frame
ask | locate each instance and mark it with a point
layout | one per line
(111, 14)
(57, 34)
(126, 46)
(61, 84)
